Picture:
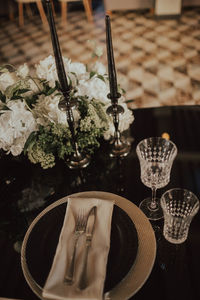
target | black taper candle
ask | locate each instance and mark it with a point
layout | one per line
(114, 95)
(57, 52)
(77, 159)
(65, 88)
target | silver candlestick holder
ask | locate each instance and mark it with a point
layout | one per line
(119, 146)
(77, 160)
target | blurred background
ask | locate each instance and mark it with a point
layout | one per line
(156, 43)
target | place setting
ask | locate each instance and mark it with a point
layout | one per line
(92, 244)
(123, 235)
(97, 244)
(100, 245)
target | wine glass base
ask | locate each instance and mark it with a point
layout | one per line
(152, 214)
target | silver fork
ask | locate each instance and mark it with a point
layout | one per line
(80, 226)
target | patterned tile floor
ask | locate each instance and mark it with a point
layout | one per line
(157, 61)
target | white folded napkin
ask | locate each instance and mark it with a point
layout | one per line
(54, 287)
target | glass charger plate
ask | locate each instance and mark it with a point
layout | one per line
(36, 257)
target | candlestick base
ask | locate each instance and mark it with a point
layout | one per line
(119, 147)
(78, 161)
(120, 150)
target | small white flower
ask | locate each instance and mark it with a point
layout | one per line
(16, 125)
(98, 51)
(98, 68)
(23, 71)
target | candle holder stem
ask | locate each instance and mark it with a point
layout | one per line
(77, 160)
(119, 147)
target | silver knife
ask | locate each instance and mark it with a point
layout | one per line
(83, 281)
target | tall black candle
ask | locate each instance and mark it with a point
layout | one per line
(114, 95)
(65, 88)
(57, 52)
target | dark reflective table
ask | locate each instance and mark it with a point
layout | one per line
(26, 189)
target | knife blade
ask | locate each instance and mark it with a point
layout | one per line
(90, 224)
(83, 280)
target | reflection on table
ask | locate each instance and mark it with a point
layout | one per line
(25, 190)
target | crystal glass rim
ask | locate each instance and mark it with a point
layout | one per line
(157, 138)
(196, 204)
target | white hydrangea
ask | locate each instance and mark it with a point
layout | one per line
(125, 120)
(18, 122)
(77, 71)
(94, 88)
(46, 110)
(16, 125)
(46, 69)
(77, 68)
(97, 67)
(7, 79)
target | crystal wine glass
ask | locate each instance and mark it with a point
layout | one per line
(156, 156)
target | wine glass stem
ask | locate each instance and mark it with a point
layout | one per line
(153, 204)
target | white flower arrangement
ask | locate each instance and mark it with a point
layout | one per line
(31, 122)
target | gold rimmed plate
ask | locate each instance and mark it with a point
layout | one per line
(126, 247)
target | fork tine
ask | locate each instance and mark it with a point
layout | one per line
(80, 225)
(80, 219)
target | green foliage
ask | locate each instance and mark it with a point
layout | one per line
(2, 97)
(54, 141)
(31, 100)
(48, 143)
(47, 90)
